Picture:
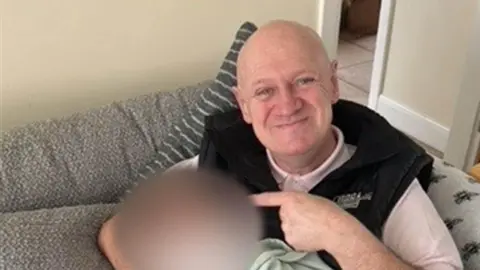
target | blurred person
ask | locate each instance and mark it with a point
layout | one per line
(187, 219)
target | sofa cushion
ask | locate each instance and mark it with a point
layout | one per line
(184, 141)
(65, 238)
(61, 238)
(456, 197)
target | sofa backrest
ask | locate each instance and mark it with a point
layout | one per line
(89, 157)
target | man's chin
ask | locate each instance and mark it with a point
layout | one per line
(294, 149)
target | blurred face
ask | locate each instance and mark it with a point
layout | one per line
(286, 91)
(187, 220)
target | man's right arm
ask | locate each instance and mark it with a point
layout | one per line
(106, 236)
(366, 252)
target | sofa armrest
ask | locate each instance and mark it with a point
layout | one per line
(456, 197)
(89, 157)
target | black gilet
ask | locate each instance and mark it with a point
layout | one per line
(368, 185)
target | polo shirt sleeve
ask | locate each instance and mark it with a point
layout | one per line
(416, 233)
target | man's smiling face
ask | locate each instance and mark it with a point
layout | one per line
(286, 87)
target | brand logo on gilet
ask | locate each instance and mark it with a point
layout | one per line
(352, 200)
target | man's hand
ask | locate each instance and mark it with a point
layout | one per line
(311, 223)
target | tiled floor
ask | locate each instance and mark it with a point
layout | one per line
(355, 60)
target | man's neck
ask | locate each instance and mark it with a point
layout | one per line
(300, 165)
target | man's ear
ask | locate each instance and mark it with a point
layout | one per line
(242, 104)
(335, 92)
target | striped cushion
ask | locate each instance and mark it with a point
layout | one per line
(184, 141)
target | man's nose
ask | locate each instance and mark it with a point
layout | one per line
(288, 101)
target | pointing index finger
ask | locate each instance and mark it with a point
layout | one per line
(269, 199)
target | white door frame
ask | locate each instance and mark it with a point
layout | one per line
(382, 47)
(328, 24)
(464, 140)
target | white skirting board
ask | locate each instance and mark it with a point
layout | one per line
(413, 123)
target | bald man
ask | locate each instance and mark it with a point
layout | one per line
(329, 176)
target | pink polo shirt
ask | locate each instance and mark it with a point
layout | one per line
(425, 243)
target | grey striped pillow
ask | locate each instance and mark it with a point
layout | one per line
(184, 141)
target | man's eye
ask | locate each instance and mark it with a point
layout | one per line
(304, 81)
(264, 93)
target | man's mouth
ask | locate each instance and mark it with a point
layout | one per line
(292, 123)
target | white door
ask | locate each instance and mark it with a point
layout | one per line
(464, 137)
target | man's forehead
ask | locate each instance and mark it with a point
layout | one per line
(288, 68)
(281, 49)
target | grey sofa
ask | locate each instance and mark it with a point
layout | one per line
(60, 179)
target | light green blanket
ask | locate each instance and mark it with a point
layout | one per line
(276, 255)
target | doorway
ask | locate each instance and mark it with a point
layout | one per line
(362, 63)
(356, 48)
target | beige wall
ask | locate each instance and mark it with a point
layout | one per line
(62, 56)
(428, 49)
